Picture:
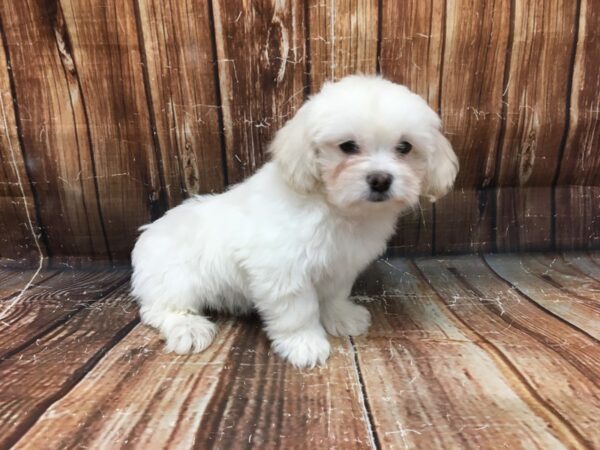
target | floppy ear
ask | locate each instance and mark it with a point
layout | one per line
(442, 167)
(294, 153)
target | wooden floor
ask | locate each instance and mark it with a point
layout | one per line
(464, 352)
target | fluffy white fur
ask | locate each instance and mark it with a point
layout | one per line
(290, 241)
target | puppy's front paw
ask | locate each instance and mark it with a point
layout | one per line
(188, 334)
(347, 320)
(303, 349)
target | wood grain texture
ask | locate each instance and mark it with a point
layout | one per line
(456, 357)
(585, 263)
(343, 39)
(181, 67)
(481, 301)
(53, 127)
(44, 372)
(235, 394)
(563, 271)
(577, 217)
(577, 213)
(580, 164)
(18, 220)
(13, 281)
(421, 369)
(261, 55)
(107, 59)
(52, 301)
(476, 39)
(582, 311)
(411, 54)
(113, 111)
(523, 219)
(181, 385)
(535, 120)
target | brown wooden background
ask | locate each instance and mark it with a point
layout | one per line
(113, 111)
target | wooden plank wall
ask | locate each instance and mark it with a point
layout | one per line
(113, 111)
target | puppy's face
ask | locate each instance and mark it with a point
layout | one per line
(368, 143)
(370, 146)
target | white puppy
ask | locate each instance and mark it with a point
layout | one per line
(290, 241)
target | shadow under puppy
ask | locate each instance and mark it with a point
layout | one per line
(290, 240)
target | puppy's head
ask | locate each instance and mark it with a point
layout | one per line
(366, 141)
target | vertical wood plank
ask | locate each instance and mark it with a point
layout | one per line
(577, 211)
(577, 217)
(107, 58)
(18, 219)
(411, 54)
(536, 99)
(523, 218)
(476, 38)
(412, 36)
(53, 127)
(181, 69)
(343, 39)
(261, 60)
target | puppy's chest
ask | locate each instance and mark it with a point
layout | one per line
(350, 246)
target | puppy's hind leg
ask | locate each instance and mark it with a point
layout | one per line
(183, 331)
(176, 313)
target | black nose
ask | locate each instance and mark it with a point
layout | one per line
(379, 181)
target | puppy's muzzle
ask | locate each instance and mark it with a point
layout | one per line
(380, 183)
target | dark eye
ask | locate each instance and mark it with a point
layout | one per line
(349, 147)
(404, 147)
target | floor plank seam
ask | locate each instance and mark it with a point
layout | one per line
(577, 269)
(13, 294)
(59, 322)
(536, 304)
(520, 384)
(78, 375)
(363, 398)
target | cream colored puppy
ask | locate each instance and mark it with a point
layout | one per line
(289, 241)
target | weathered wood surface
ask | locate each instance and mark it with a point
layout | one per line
(475, 53)
(18, 220)
(411, 54)
(107, 62)
(580, 307)
(422, 369)
(50, 302)
(586, 263)
(180, 60)
(45, 370)
(462, 352)
(512, 331)
(535, 119)
(53, 127)
(580, 165)
(343, 39)
(578, 215)
(235, 394)
(12, 281)
(113, 111)
(262, 64)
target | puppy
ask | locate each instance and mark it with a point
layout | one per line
(289, 241)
